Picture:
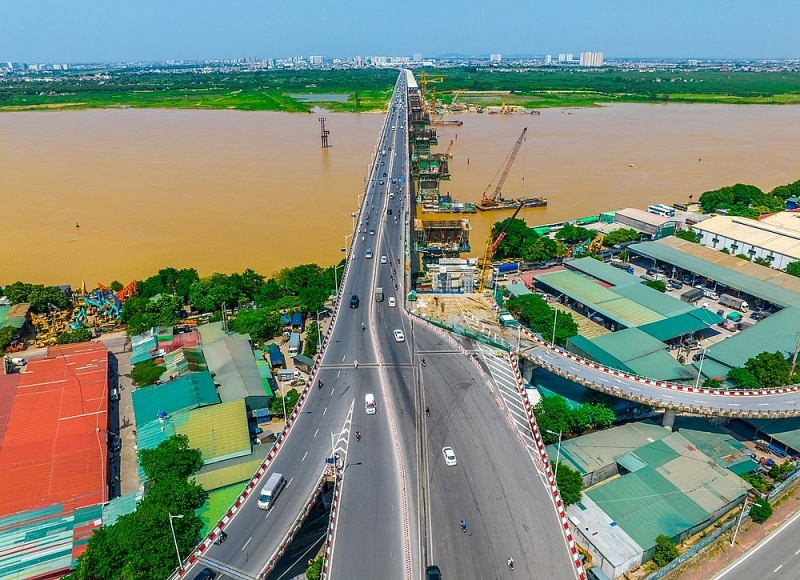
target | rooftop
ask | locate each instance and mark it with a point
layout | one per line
(233, 365)
(645, 216)
(757, 233)
(789, 220)
(187, 392)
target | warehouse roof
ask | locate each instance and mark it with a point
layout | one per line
(761, 281)
(789, 220)
(604, 272)
(717, 444)
(184, 360)
(660, 302)
(14, 316)
(606, 302)
(608, 538)
(518, 289)
(785, 431)
(685, 323)
(230, 471)
(764, 235)
(142, 346)
(187, 392)
(213, 331)
(233, 365)
(219, 431)
(645, 216)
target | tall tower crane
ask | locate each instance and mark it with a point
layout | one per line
(485, 263)
(489, 201)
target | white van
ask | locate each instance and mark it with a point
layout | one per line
(369, 404)
(270, 491)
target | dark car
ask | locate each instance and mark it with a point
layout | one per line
(206, 574)
(699, 356)
(115, 444)
(389, 211)
(433, 573)
(354, 301)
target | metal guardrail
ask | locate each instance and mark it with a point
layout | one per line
(467, 333)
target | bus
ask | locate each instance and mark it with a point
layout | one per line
(662, 210)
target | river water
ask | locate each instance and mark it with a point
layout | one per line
(226, 190)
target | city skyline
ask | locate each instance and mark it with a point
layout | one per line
(142, 30)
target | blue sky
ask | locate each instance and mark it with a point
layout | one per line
(126, 30)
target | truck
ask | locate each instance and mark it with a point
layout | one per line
(294, 344)
(297, 321)
(378, 294)
(692, 296)
(276, 356)
(733, 302)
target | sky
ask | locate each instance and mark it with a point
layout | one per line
(151, 30)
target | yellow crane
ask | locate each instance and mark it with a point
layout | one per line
(485, 263)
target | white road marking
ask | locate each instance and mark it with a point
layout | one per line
(733, 404)
(325, 411)
(763, 404)
(778, 568)
(668, 396)
(343, 358)
(332, 390)
(635, 389)
(304, 456)
(339, 373)
(315, 432)
(248, 541)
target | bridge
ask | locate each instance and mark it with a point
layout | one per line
(396, 505)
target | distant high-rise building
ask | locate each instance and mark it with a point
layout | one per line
(358, 61)
(591, 58)
(417, 57)
(569, 57)
(495, 58)
(562, 57)
(548, 59)
(692, 62)
(316, 59)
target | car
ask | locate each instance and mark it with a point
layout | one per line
(115, 443)
(399, 336)
(721, 313)
(449, 456)
(699, 356)
(372, 231)
(114, 395)
(368, 254)
(354, 301)
(433, 573)
(206, 574)
(392, 301)
(389, 211)
(676, 284)
(749, 454)
(384, 260)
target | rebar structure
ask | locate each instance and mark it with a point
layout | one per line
(323, 133)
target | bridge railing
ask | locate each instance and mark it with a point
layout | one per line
(483, 337)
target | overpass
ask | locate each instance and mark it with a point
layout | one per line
(737, 403)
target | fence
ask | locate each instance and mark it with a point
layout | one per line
(493, 341)
(661, 572)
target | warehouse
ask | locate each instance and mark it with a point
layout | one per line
(655, 226)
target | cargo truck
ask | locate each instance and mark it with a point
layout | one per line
(294, 344)
(733, 302)
(378, 294)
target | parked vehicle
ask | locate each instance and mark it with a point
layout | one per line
(378, 294)
(733, 302)
(294, 344)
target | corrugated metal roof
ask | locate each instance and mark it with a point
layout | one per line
(233, 364)
(120, 506)
(629, 344)
(14, 316)
(230, 471)
(187, 392)
(518, 289)
(755, 233)
(645, 216)
(675, 326)
(718, 445)
(591, 452)
(660, 365)
(606, 302)
(218, 431)
(212, 332)
(184, 360)
(766, 283)
(604, 272)
(657, 301)
(785, 431)
(142, 346)
(265, 371)
(605, 535)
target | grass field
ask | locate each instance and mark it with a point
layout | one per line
(370, 89)
(217, 504)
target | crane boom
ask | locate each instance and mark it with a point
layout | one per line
(503, 232)
(511, 157)
(491, 246)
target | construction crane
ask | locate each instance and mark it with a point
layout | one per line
(447, 153)
(438, 120)
(424, 79)
(485, 263)
(489, 201)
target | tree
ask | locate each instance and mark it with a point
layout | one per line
(169, 281)
(79, 335)
(689, 236)
(314, 570)
(116, 286)
(771, 370)
(780, 471)
(146, 373)
(657, 285)
(535, 313)
(756, 480)
(711, 383)
(760, 511)
(261, 324)
(7, 336)
(276, 406)
(762, 262)
(570, 483)
(571, 234)
(665, 551)
(793, 269)
(725, 251)
(518, 235)
(172, 458)
(312, 335)
(17, 292)
(554, 415)
(743, 379)
(621, 236)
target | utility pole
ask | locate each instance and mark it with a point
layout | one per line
(794, 357)
(323, 133)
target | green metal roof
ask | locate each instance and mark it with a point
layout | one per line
(760, 281)
(660, 365)
(233, 364)
(265, 371)
(212, 332)
(785, 431)
(600, 299)
(629, 344)
(675, 326)
(717, 444)
(518, 289)
(604, 272)
(17, 321)
(584, 347)
(657, 301)
(187, 392)
(184, 360)
(219, 431)
(141, 345)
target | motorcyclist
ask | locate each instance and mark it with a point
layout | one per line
(510, 562)
(427, 411)
(363, 327)
(319, 384)
(422, 362)
(464, 526)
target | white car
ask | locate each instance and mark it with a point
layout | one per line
(399, 336)
(449, 456)
(384, 260)
(392, 301)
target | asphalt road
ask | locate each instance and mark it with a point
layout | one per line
(495, 486)
(775, 558)
(371, 516)
(707, 404)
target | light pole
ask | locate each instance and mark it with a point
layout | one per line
(180, 562)
(353, 216)
(558, 450)
(345, 242)
(335, 279)
(739, 523)
(700, 369)
(555, 319)
(319, 334)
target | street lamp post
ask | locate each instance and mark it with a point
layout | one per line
(319, 334)
(335, 278)
(174, 539)
(345, 242)
(700, 369)
(558, 450)
(555, 319)
(739, 523)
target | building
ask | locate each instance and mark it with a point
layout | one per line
(653, 225)
(316, 60)
(592, 59)
(775, 239)
(495, 58)
(548, 59)
(565, 57)
(54, 469)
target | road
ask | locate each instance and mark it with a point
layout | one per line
(699, 401)
(372, 516)
(775, 558)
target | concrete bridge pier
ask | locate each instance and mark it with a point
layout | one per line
(526, 367)
(669, 419)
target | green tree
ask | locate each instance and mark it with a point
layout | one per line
(535, 313)
(540, 249)
(570, 483)
(7, 336)
(756, 480)
(146, 373)
(711, 383)
(42, 297)
(18, 292)
(743, 379)
(571, 234)
(173, 458)
(518, 235)
(79, 335)
(793, 269)
(760, 511)
(725, 251)
(621, 236)
(657, 285)
(261, 324)
(169, 281)
(780, 471)
(771, 370)
(665, 551)
(314, 570)
(116, 286)
(276, 405)
(689, 236)
(312, 335)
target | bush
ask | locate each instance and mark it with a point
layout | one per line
(314, 570)
(535, 313)
(276, 406)
(689, 236)
(7, 336)
(760, 511)
(570, 483)
(657, 285)
(146, 373)
(756, 480)
(312, 336)
(79, 335)
(665, 552)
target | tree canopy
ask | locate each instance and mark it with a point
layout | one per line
(38, 296)
(554, 415)
(665, 551)
(537, 315)
(621, 236)
(793, 269)
(570, 483)
(689, 236)
(571, 234)
(523, 243)
(746, 200)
